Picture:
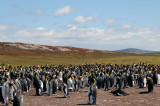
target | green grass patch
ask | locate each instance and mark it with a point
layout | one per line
(76, 59)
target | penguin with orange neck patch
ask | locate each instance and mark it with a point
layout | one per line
(106, 82)
(54, 85)
(92, 93)
(11, 92)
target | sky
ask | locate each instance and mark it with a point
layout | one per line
(94, 24)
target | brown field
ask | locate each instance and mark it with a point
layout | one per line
(137, 96)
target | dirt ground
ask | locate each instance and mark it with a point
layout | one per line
(137, 97)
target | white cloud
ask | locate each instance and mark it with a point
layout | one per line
(110, 21)
(40, 28)
(33, 33)
(99, 38)
(81, 19)
(4, 27)
(38, 11)
(127, 26)
(72, 27)
(63, 11)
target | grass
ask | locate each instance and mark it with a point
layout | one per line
(76, 59)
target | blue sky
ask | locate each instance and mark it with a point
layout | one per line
(96, 24)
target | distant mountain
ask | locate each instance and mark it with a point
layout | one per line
(136, 51)
(153, 53)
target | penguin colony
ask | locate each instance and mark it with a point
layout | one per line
(17, 81)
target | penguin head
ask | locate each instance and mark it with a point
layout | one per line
(118, 78)
(6, 79)
(73, 78)
(11, 84)
(93, 80)
(55, 78)
(19, 92)
(79, 77)
(69, 78)
(148, 78)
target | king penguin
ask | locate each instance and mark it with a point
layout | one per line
(49, 88)
(54, 85)
(18, 99)
(150, 84)
(5, 91)
(106, 82)
(39, 88)
(65, 90)
(92, 94)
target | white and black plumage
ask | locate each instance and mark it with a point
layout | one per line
(65, 78)
(54, 87)
(1, 96)
(119, 93)
(75, 83)
(99, 82)
(11, 92)
(39, 88)
(28, 83)
(130, 80)
(142, 82)
(124, 81)
(70, 84)
(18, 83)
(111, 80)
(86, 80)
(158, 79)
(106, 82)
(92, 94)
(81, 82)
(18, 100)
(24, 85)
(49, 88)
(65, 90)
(119, 83)
(57, 81)
(45, 85)
(150, 84)
(5, 92)
(60, 76)
(36, 79)
(155, 78)
(1, 83)
(30, 76)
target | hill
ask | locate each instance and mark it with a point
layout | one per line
(136, 51)
(31, 54)
(31, 49)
